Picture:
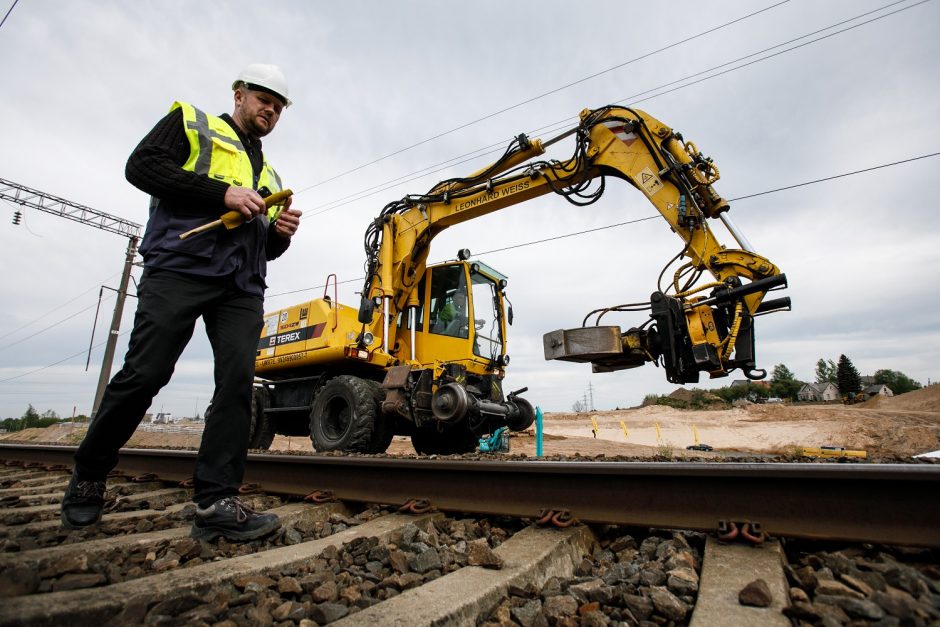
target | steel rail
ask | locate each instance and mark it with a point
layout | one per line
(883, 503)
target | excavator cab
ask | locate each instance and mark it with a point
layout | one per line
(460, 318)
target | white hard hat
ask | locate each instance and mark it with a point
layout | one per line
(264, 77)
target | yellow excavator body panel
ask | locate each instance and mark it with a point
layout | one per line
(313, 334)
(323, 334)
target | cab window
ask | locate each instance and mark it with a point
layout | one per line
(487, 341)
(449, 305)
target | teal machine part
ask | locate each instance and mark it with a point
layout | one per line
(538, 431)
(498, 442)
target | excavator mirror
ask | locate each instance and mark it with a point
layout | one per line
(366, 310)
(509, 314)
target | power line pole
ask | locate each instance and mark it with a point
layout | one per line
(27, 197)
(591, 392)
(108, 359)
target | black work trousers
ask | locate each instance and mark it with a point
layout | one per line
(168, 305)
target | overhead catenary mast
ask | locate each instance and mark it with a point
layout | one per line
(35, 199)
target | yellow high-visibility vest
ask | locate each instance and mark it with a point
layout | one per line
(216, 151)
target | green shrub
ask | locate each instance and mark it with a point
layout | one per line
(650, 399)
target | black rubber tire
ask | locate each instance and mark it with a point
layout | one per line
(452, 440)
(526, 417)
(384, 429)
(343, 415)
(261, 431)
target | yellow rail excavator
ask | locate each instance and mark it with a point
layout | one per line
(424, 352)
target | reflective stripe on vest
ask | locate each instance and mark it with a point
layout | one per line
(216, 151)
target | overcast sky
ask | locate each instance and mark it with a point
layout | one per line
(383, 90)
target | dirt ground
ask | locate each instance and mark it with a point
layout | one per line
(901, 426)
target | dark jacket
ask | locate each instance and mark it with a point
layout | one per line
(182, 200)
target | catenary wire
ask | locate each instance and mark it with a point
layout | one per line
(627, 101)
(770, 191)
(548, 93)
(55, 309)
(51, 326)
(836, 176)
(10, 10)
(776, 54)
(653, 217)
(61, 361)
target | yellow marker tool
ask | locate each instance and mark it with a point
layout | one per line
(623, 426)
(594, 422)
(233, 219)
(831, 451)
(695, 433)
(659, 434)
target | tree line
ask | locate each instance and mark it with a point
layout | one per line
(843, 374)
(784, 385)
(33, 419)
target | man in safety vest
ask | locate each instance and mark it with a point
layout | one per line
(196, 167)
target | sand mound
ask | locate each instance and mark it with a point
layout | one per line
(924, 399)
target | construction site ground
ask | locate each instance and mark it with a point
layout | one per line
(902, 426)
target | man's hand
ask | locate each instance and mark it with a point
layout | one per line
(289, 220)
(246, 201)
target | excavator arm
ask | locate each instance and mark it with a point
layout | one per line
(688, 331)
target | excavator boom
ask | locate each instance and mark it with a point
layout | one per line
(691, 332)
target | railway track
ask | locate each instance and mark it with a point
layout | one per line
(447, 541)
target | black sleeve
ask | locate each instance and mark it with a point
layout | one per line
(276, 244)
(155, 167)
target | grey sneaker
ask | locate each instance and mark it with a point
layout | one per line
(233, 520)
(82, 503)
